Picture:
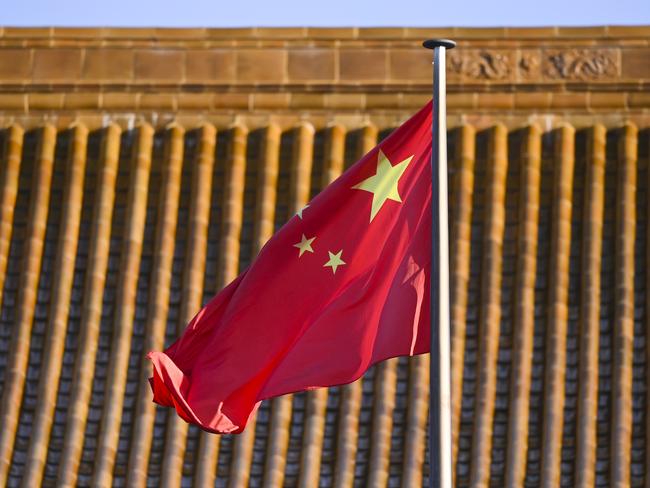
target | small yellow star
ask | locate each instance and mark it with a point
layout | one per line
(299, 212)
(334, 261)
(304, 245)
(383, 184)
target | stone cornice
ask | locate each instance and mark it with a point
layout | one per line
(339, 59)
(112, 34)
(550, 70)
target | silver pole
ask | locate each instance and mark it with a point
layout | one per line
(439, 378)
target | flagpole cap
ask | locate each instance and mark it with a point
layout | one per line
(434, 43)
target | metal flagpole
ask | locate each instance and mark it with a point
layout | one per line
(440, 378)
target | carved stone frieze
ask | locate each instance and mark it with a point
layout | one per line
(533, 65)
(529, 64)
(481, 64)
(581, 64)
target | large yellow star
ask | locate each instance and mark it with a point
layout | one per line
(383, 184)
(304, 245)
(334, 261)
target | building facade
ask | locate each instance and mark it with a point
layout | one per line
(142, 169)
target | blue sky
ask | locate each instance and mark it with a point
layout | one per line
(232, 13)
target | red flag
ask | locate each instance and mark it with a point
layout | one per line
(343, 285)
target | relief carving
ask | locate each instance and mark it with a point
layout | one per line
(581, 64)
(480, 65)
(528, 65)
(532, 65)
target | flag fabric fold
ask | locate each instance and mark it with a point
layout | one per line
(343, 285)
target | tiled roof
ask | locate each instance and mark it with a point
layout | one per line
(116, 228)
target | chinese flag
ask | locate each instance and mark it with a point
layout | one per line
(343, 285)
